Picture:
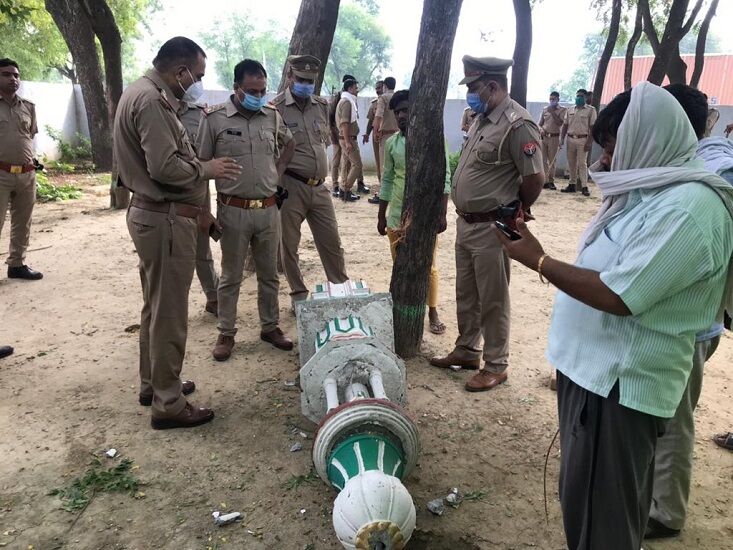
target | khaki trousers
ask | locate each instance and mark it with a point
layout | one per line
(482, 294)
(577, 159)
(433, 278)
(242, 228)
(352, 171)
(336, 163)
(673, 456)
(378, 156)
(18, 191)
(166, 246)
(314, 205)
(205, 270)
(550, 148)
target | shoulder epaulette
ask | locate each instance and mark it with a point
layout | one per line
(374, 100)
(24, 100)
(320, 99)
(278, 99)
(270, 106)
(214, 108)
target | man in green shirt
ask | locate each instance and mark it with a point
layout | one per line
(392, 193)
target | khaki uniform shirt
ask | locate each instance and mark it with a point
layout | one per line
(389, 121)
(343, 114)
(254, 140)
(190, 115)
(154, 154)
(580, 120)
(467, 119)
(488, 174)
(17, 127)
(552, 121)
(310, 132)
(370, 115)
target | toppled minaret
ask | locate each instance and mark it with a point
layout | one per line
(354, 386)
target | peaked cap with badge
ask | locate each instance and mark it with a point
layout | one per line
(305, 66)
(476, 67)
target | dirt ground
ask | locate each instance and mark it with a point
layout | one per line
(70, 392)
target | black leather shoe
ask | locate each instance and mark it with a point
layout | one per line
(569, 189)
(374, 199)
(550, 185)
(361, 188)
(5, 351)
(585, 191)
(188, 418)
(188, 388)
(348, 196)
(657, 530)
(336, 191)
(24, 272)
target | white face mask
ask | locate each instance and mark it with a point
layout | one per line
(194, 92)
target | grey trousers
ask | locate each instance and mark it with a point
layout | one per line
(673, 459)
(606, 468)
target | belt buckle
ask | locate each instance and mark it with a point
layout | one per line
(258, 203)
(312, 182)
(15, 169)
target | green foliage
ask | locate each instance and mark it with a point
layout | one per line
(48, 192)
(296, 481)
(473, 496)
(31, 38)
(360, 46)
(71, 153)
(236, 38)
(453, 160)
(79, 494)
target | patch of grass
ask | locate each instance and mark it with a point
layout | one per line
(473, 496)
(48, 192)
(82, 490)
(296, 481)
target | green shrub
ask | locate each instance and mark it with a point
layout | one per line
(48, 192)
(71, 153)
(453, 158)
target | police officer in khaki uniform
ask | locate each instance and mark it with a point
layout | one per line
(190, 116)
(252, 132)
(18, 126)
(500, 163)
(347, 115)
(379, 88)
(385, 123)
(578, 127)
(157, 163)
(551, 121)
(306, 116)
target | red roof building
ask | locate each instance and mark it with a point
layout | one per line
(716, 80)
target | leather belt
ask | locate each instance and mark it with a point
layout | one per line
(179, 208)
(478, 217)
(313, 182)
(247, 204)
(17, 168)
(352, 137)
(548, 134)
(578, 135)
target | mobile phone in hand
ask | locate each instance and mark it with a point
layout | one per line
(214, 233)
(508, 231)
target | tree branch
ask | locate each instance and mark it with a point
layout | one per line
(693, 15)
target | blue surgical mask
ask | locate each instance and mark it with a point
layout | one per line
(553, 103)
(253, 103)
(579, 101)
(474, 101)
(301, 89)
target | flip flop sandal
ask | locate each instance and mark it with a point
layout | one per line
(724, 440)
(437, 328)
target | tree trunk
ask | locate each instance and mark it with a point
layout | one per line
(631, 46)
(313, 34)
(677, 68)
(105, 27)
(73, 23)
(522, 50)
(667, 52)
(607, 53)
(425, 177)
(702, 38)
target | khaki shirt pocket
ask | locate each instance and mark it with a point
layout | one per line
(231, 143)
(487, 153)
(266, 143)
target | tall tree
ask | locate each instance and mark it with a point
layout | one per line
(667, 60)
(607, 52)
(522, 50)
(631, 47)
(425, 172)
(702, 38)
(313, 34)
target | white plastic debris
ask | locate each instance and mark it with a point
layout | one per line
(225, 519)
(454, 498)
(111, 453)
(290, 383)
(436, 506)
(296, 447)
